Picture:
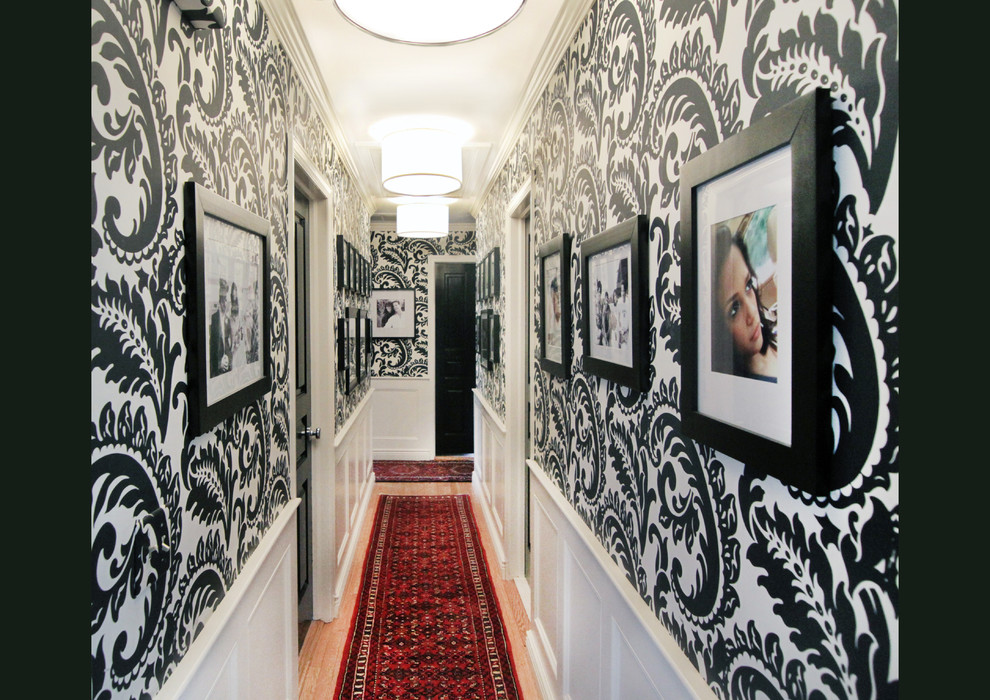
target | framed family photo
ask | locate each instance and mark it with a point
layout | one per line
(615, 303)
(393, 313)
(229, 311)
(341, 262)
(756, 324)
(555, 306)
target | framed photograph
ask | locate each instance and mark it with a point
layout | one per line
(615, 298)
(495, 281)
(341, 262)
(351, 347)
(351, 264)
(367, 345)
(484, 338)
(494, 334)
(756, 309)
(359, 369)
(344, 359)
(555, 306)
(229, 310)
(483, 275)
(394, 313)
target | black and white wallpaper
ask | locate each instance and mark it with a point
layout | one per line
(169, 105)
(769, 591)
(401, 263)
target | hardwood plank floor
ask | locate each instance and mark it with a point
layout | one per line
(322, 651)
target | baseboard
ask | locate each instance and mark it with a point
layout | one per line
(539, 666)
(404, 455)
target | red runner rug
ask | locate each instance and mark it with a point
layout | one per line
(427, 623)
(423, 470)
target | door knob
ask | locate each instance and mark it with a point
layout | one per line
(310, 433)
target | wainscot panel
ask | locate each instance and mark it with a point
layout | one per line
(612, 645)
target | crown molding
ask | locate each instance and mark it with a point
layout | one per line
(285, 24)
(565, 27)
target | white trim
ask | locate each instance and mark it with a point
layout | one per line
(626, 615)
(342, 435)
(489, 409)
(431, 336)
(516, 329)
(307, 176)
(571, 15)
(200, 663)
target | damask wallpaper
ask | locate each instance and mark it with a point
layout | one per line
(169, 105)
(401, 263)
(769, 591)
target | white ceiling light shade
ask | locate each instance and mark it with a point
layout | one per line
(422, 220)
(432, 22)
(421, 161)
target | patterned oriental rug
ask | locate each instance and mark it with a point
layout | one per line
(427, 623)
(423, 470)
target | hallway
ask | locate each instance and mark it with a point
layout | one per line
(322, 651)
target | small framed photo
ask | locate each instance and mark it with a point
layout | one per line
(360, 370)
(484, 278)
(344, 359)
(555, 306)
(495, 283)
(484, 338)
(615, 303)
(367, 345)
(756, 309)
(494, 334)
(351, 347)
(351, 266)
(228, 323)
(394, 313)
(341, 262)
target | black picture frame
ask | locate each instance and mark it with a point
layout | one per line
(615, 316)
(341, 262)
(495, 276)
(360, 371)
(229, 363)
(494, 344)
(484, 338)
(368, 346)
(403, 326)
(349, 279)
(344, 367)
(773, 179)
(555, 306)
(351, 348)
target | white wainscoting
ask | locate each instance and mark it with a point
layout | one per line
(247, 649)
(354, 478)
(403, 410)
(488, 479)
(592, 636)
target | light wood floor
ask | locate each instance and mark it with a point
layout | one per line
(322, 650)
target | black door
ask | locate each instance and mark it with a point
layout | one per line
(455, 358)
(304, 432)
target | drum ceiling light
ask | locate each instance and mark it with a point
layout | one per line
(421, 161)
(422, 220)
(429, 22)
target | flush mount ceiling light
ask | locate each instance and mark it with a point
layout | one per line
(422, 220)
(421, 161)
(429, 22)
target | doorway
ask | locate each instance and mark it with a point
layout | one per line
(454, 333)
(303, 419)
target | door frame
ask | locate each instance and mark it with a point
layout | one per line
(322, 233)
(431, 336)
(518, 273)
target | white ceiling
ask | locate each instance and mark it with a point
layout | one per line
(491, 83)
